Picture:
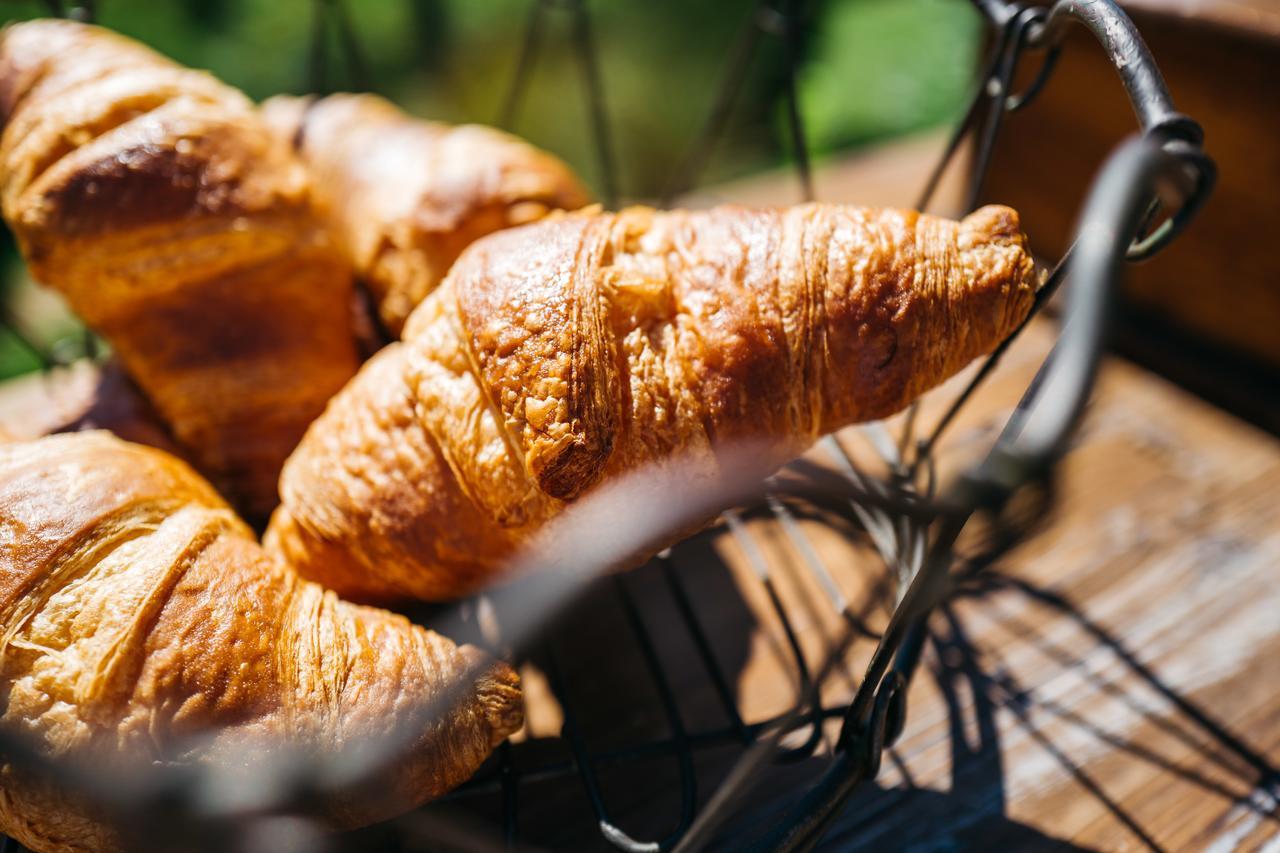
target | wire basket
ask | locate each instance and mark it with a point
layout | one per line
(878, 488)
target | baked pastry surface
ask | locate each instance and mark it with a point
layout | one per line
(142, 622)
(560, 354)
(406, 196)
(156, 201)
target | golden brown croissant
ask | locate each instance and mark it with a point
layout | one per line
(407, 196)
(562, 353)
(154, 198)
(137, 613)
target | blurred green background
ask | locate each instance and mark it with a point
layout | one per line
(867, 70)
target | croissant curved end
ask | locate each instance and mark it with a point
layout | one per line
(498, 694)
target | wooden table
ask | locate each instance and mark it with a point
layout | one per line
(1117, 686)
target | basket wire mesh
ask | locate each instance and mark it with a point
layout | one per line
(895, 506)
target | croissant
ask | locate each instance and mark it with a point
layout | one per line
(137, 614)
(156, 201)
(407, 196)
(559, 354)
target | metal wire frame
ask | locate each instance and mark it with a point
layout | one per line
(777, 18)
(1023, 455)
(333, 15)
(1124, 199)
(583, 36)
(85, 10)
(911, 526)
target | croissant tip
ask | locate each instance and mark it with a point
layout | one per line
(997, 223)
(497, 693)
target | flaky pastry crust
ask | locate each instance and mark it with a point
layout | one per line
(406, 196)
(140, 621)
(156, 201)
(560, 354)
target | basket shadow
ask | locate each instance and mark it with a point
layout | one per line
(986, 711)
(1231, 769)
(629, 681)
(626, 691)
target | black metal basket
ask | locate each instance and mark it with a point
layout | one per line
(830, 741)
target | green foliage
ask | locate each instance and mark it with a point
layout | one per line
(886, 67)
(15, 357)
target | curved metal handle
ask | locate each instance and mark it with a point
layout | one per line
(1113, 212)
(1038, 433)
(1129, 54)
(1037, 27)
